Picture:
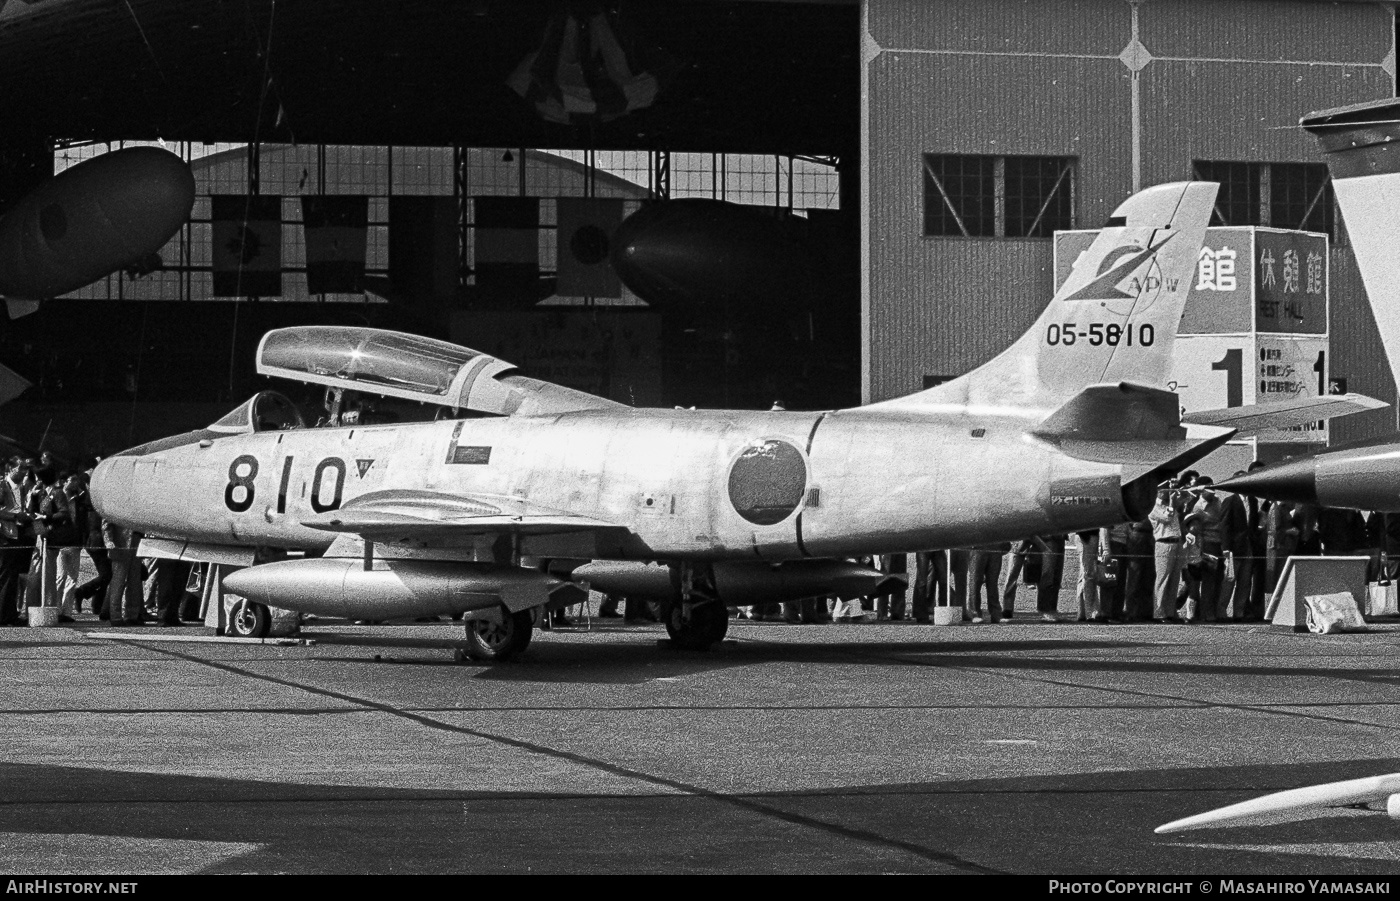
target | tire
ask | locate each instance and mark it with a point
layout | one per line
(492, 642)
(249, 619)
(708, 624)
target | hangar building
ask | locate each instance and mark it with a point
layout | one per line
(988, 125)
(965, 132)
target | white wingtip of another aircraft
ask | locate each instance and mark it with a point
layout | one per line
(1332, 794)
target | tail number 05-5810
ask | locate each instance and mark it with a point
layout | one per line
(241, 489)
(1112, 334)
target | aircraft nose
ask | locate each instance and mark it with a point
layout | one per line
(106, 484)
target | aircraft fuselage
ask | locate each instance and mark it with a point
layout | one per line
(679, 484)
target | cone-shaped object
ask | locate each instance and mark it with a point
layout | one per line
(1360, 478)
(1291, 480)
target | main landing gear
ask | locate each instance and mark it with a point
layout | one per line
(496, 637)
(704, 624)
(695, 617)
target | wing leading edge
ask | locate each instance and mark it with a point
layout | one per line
(1284, 414)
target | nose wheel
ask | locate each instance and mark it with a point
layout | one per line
(249, 619)
(497, 638)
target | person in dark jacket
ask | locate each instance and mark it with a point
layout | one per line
(1051, 549)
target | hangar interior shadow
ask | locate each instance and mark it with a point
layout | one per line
(1087, 822)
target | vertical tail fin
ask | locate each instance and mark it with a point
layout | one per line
(1362, 147)
(1115, 317)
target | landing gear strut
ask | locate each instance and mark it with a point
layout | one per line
(695, 618)
(496, 638)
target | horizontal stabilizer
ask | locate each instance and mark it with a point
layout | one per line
(1285, 414)
(1144, 457)
(1115, 413)
(1313, 797)
(424, 515)
(1128, 424)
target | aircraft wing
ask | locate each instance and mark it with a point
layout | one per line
(1283, 414)
(1313, 798)
(429, 515)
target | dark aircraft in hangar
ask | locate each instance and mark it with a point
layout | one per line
(712, 257)
(112, 212)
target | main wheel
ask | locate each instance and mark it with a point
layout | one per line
(719, 625)
(708, 624)
(490, 641)
(249, 619)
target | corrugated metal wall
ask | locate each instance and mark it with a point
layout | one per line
(1228, 80)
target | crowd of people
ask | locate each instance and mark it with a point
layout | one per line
(1199, 556)
(47, 524)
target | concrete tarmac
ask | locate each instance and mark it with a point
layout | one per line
(1022, 747)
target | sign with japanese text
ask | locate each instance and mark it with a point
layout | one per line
(1220, 298)
(1286, 368)
(1292, 275)
(1254, 328)
(1210, 372)
(1221, 295)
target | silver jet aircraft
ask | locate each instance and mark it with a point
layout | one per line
(1362, 147)
(1065, 430)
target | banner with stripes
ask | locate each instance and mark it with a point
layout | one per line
(336, 228)
(246, 256)
(507, 244)
(423, 246)
(586, 229)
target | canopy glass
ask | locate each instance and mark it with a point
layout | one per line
(371, 360)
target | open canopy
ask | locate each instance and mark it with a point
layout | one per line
(392, 364)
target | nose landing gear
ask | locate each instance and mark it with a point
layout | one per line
(496, 637)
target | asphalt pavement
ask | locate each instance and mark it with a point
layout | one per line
(1022, 747)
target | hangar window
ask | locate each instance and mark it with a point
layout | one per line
(1279, 195)
(997, 196)
(1300, 196)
